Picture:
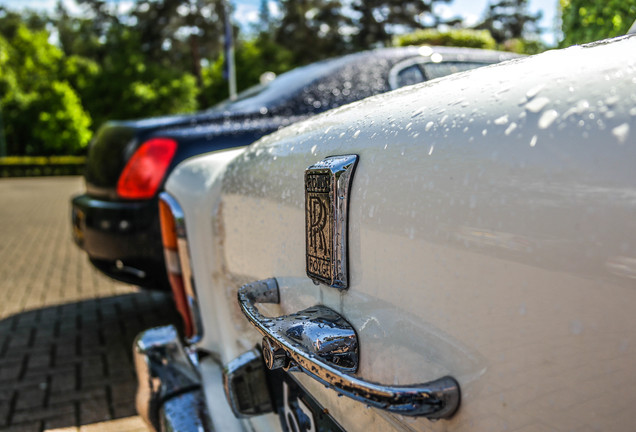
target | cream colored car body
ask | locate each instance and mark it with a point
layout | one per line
(492, 237)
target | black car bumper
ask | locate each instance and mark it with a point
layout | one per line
(122, 239)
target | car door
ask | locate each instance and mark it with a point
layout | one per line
(488, 243)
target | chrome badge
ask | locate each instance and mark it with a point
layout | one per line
(326, 207)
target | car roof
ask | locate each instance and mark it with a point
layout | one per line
(366, 73)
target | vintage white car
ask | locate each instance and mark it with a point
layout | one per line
(453, 256)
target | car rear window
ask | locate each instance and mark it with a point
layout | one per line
(437, 70)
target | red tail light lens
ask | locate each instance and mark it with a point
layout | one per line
(145, 170)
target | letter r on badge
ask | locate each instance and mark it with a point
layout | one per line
(317, 222)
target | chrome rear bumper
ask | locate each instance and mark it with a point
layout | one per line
(169, 395)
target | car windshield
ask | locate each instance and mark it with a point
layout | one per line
(281, 89)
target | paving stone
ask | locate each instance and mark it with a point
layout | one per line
(5, 411)
(65, 350)
(60, 421)
(66, 330)
(27, 399)
(39, 360)
(5, 395)
(63, 382)
(124, 390)
(78, 395)
(10, 372)
(19, 341)
(25, 427)
(124, 409)
(94, 410)
(38, 375)
(22, 384)
(42, 413)
(91, 367)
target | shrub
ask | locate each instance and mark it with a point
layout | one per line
(62, 125)
(455, 37)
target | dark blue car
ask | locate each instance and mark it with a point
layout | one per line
(116, 220)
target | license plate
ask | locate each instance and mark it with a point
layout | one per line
(298, 411)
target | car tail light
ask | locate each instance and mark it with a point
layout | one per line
(145, 170)
(175, 247)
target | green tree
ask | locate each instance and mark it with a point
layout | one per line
(8, 88)
(510, 19)
(312, 29)
(589, 20)
(61, 125)
(11, 20)
(454, 37)
(523, 46)
(33, 57)
(129, 86)
(114, 75)
(179, 32)
(42, 115)
(378, 20)
(265, 18)
(81, 73)
(80, 36)
(253, 58)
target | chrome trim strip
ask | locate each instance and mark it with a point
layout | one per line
(167, 379)
(186, 269)
(300, 347)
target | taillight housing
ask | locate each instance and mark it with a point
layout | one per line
(145, 170)
(177, 257)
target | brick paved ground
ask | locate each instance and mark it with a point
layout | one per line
(65, 330)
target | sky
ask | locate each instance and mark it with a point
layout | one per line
(246, 11)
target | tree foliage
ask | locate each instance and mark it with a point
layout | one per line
(510, 19)
(379, 19)
(125, 84)
(41, 114)
(454, 37)
(589, 20)
(468, 38)
(311, 23)
(62, 75)
(179, 32)
(59, 123)
(253, 58)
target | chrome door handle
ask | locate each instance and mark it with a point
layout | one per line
(319, 342)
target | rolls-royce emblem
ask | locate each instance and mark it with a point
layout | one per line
(326, 207)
